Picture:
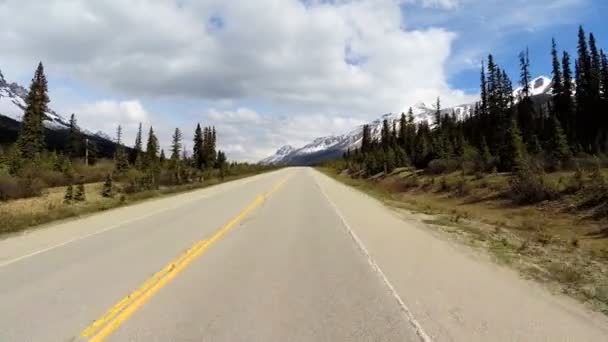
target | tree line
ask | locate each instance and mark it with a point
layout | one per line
(504, 131)
(28, 166)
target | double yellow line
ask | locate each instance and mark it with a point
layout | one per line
(125, 308)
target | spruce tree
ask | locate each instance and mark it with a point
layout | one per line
(582, 72)
(31, 137)
(138, 149)
(151, 160)
(74, 145)
(513, 153)
(410, 135)
(121, 160)
(151, 154)
(483, 110)
(486, 156)
(221, 163)
(107, 189)
(385, 137)
(198, 148)
(68, 197)
(163, 158)
(80, 195)
(595, 71)
(438, 114)
(366, 140)
(402, 129)
(525, 107)
(567, 107)
(558, 144)
(176, 147)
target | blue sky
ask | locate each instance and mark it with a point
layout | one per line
(274, 72)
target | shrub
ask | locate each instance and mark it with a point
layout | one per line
(15, 188)
(528, 187)
(441, 166)
(462, 187)
(69, 194)
(575, 183)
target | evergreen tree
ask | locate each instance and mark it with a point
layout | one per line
(402, 129)
(138, 149)
(162, 158)
(582, 74)
(176, 144)
(151, 160)
(438, 114)
(385, 135)
(483, 110)
(107, 189)
(151, 154)
(68, 197)
(595, 71)
(31, 136)
(198, 149)
(176, 147)
(221, 164)
(74, 145)
(394, 133)
(567, 107)
(121, 160)
(366, 140)
(525, 107)
(80, 195)
(604, 78)
(410, 134)
(513, 154)
(486, 156)
(558, 144)
(557, 75)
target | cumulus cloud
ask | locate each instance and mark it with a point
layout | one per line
(318, 64)
(106, 115)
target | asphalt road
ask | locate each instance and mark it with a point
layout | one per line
(285, 256)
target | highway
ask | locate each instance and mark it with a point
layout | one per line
(290, 255)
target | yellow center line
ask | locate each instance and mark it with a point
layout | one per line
(125, 308)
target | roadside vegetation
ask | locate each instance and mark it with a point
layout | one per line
(524, 177)
(39, 185)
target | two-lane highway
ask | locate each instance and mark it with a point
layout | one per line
(285, 256)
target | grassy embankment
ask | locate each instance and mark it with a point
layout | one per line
(20, 214)
(562, 242)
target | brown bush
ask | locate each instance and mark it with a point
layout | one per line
(528, 187)
(441, 166)
(15, 188)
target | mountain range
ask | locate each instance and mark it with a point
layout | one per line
(330, 147)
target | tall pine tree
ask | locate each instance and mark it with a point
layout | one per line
(31, 138)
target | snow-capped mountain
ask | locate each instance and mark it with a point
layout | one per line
(12, 105)
(279, 155)
(329, 147)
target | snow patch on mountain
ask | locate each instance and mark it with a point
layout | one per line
(279, 155)
(12, 105)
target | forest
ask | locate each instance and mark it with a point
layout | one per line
(523, 134)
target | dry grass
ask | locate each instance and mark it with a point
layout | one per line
(550, 242)
(20, 214)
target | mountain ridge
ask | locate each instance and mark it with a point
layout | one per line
(333, 146)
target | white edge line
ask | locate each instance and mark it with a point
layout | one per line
(112, 227)
(408, 313)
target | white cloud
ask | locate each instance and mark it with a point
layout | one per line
(304, 63)
(106, 115)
